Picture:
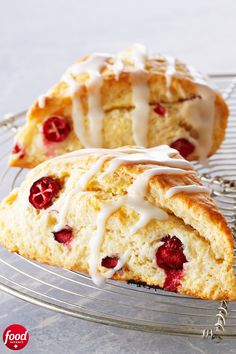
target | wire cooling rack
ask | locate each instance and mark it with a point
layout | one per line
(119, 304)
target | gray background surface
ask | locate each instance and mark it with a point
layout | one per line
(38, 40)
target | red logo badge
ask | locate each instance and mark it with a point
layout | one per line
(15, 337)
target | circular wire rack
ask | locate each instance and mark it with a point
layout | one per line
(127, 305)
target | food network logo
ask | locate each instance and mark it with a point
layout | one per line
(15, 337)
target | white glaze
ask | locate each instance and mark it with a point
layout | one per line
(140, 91)
(93, 171)
(61, 216)
(82, 184)
(118, 65)
(139, 56)
(139, 187)
(201, 116)
(95, 242)
(146, 211)
(158, 155)
(197, 76)
(162, 157)
(121, 262)
(170, 71)
(100, 151)
(140, 113)
(186, 189)
(96, 113)
(78, 117)
(199, 111)
(158, 160)
(42, 100)
(92, 67)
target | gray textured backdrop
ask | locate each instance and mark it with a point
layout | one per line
(38, 40)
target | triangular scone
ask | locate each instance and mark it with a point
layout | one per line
(129, 99)
(131, 214)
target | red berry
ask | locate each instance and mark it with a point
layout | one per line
(160, 110)
(56, 129)
(110, 262)
(170, 255)
(184, 147)
(173, 279)
(17, 149)
(171, 258)
(64, 235)
(43, 192)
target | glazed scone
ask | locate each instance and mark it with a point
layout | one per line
(130, 214)
(129, 99)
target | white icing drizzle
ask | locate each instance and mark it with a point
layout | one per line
(143, 158)
(117, 155)
(82, 184)
(96, 113)
(121, 262)
(146, 211)
(140, 94)
(95, 243)
(186, 189)
(42, 100)
(201, 116)
(78, 117)
(140, 90)
(93, 171)
(199, 111)
(197, 76)
(170, 71)
(157, 161)
(139, 56)
(61, 216)
(92, 66)
(118, 65)
(140, 185)
(122, 149)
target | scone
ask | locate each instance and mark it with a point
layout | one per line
(129, 214)
(129, 99)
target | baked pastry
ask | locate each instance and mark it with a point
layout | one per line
(128, 99)
(130, 214)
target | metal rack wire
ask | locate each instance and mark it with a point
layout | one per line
(119, 304)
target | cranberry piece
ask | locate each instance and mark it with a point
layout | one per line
(17, 149)
(43, 192)
(160, 110)
(173, 279)
(170, 257)
(56, 129)
(184, 147)
(110, 262)
(64, 235)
